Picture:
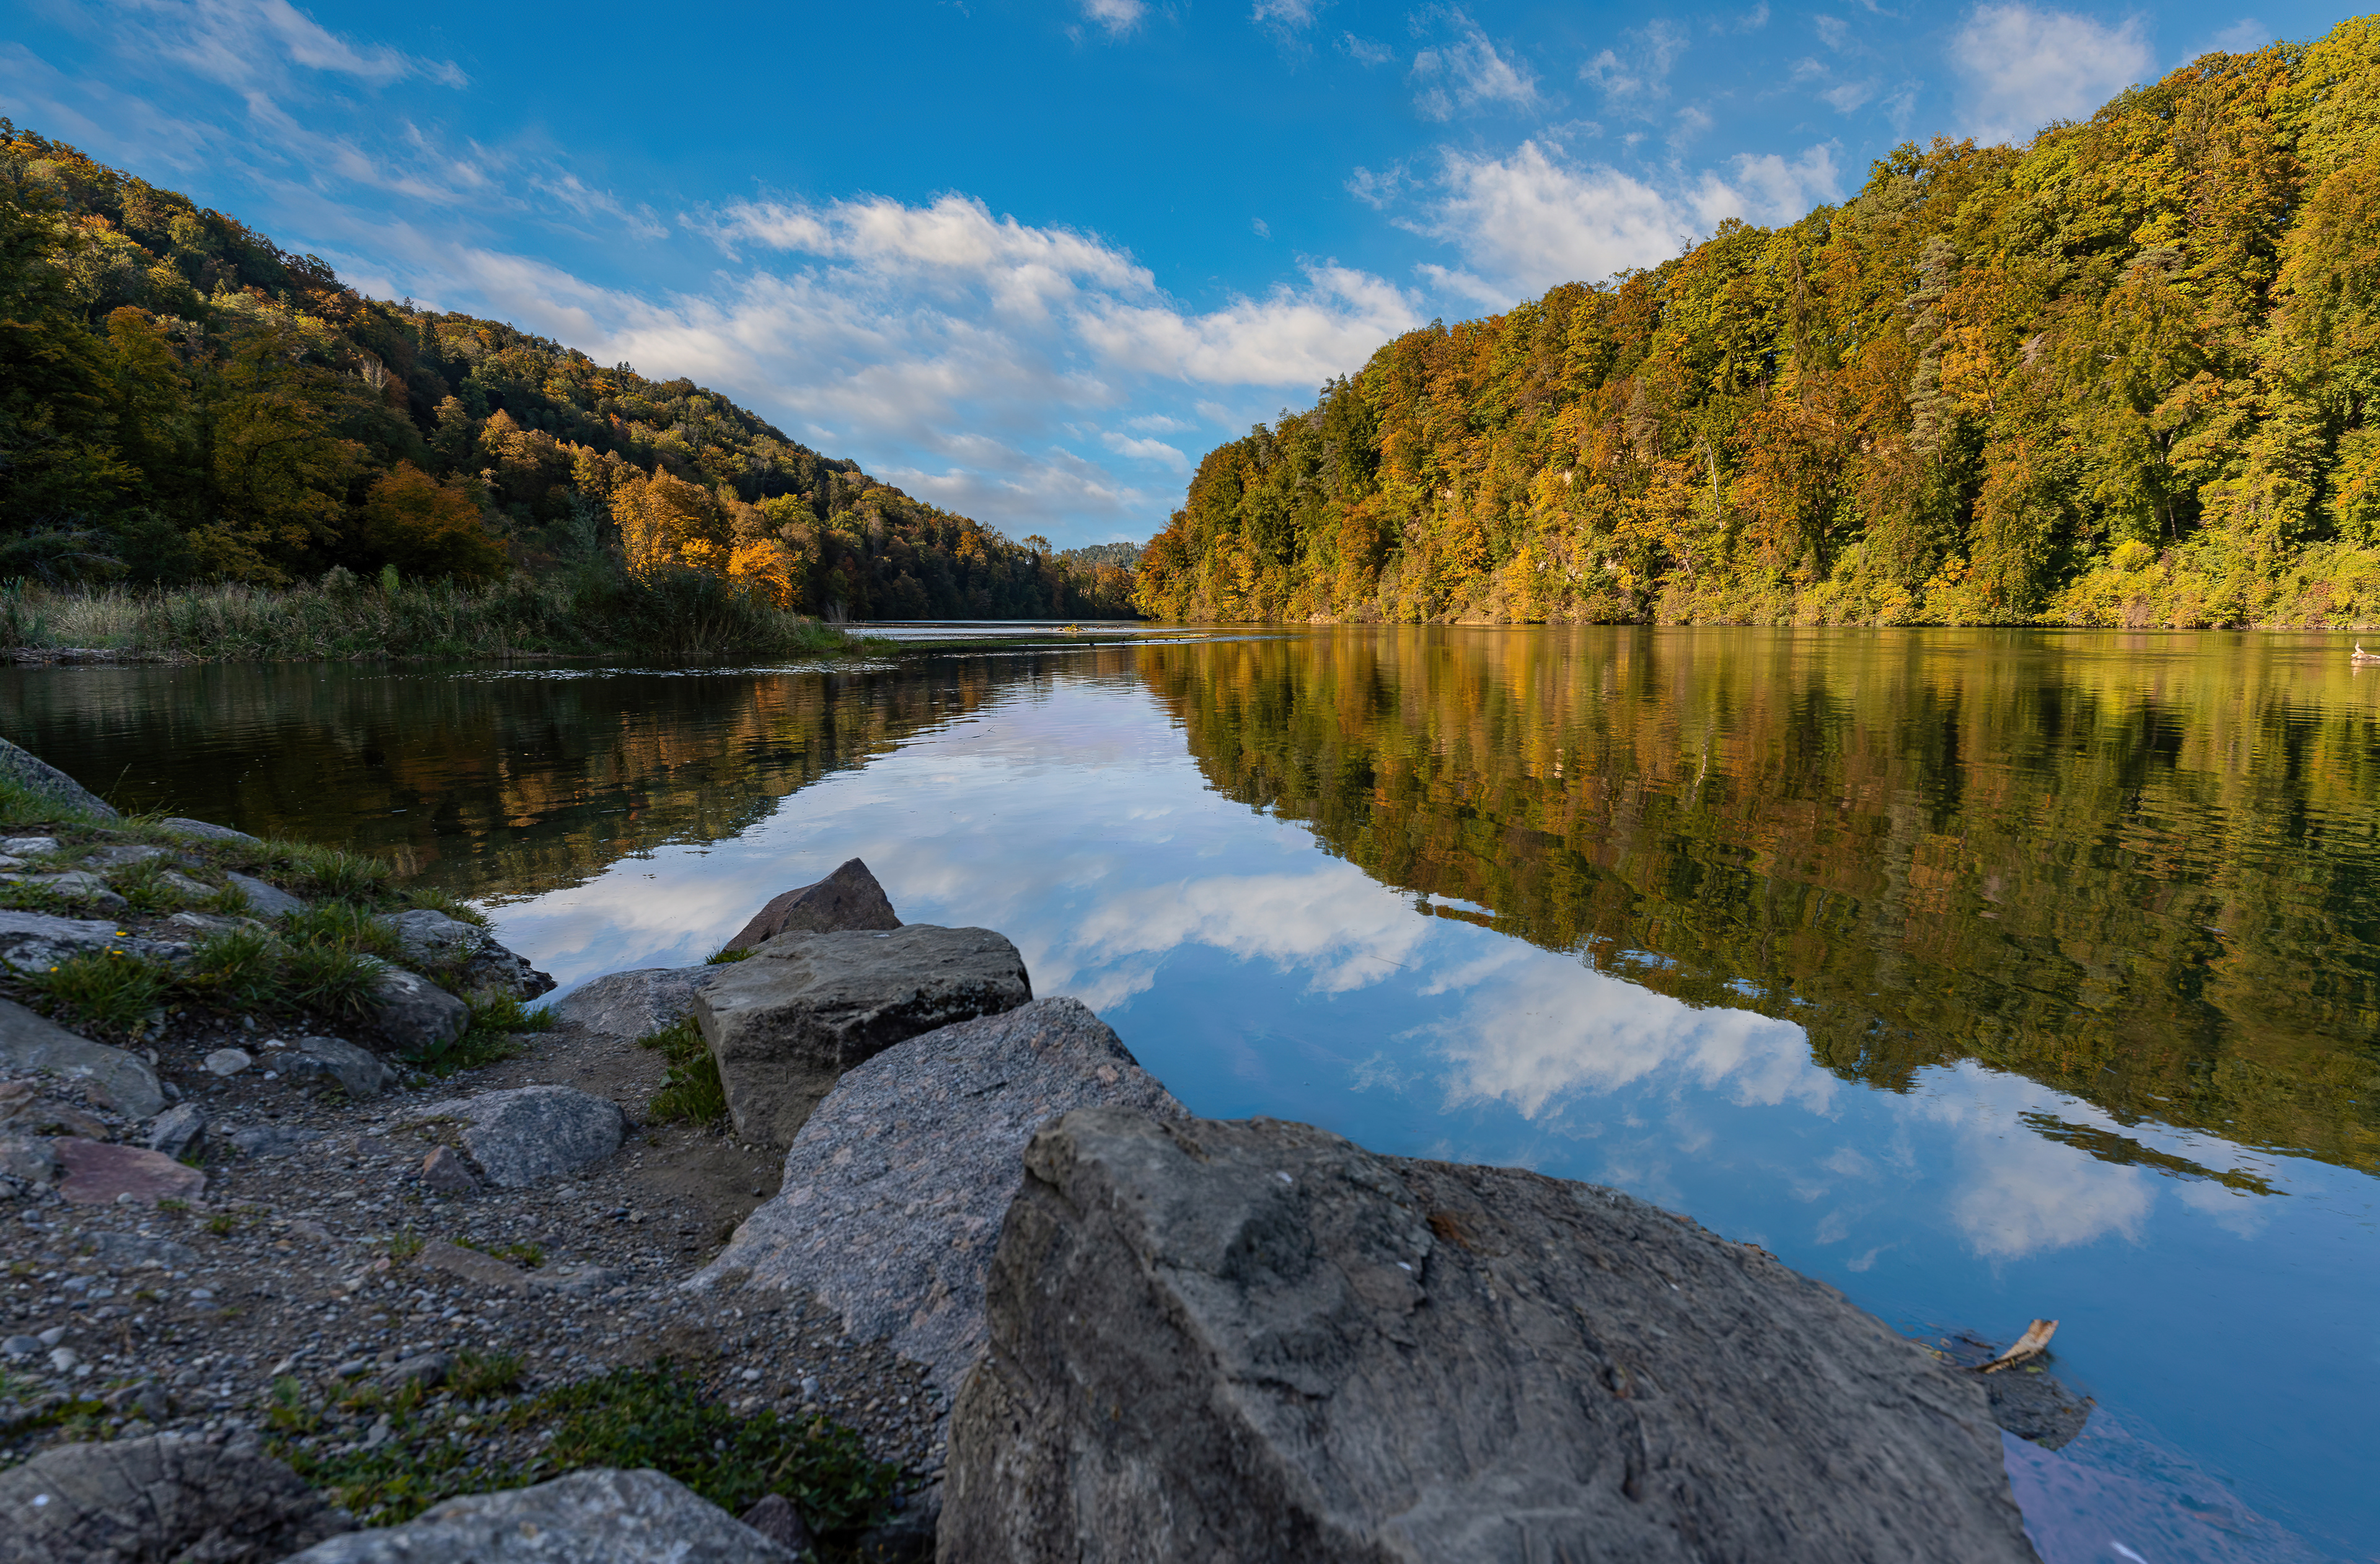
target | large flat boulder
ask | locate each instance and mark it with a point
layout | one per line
(784, 1024)
(121, 1079)
(105, 1173)
(894, 1188)
(37, 776)
(1257, 1340)
(466, 952)
(132, 1501)
(633, 1004)
(600, 1514)
(849, 898)
(36, 941)
(528, 1134)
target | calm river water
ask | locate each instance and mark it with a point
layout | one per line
(1985, 975)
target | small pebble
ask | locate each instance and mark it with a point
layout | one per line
(228, 1061)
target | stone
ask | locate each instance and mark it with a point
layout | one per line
(73, 885)
(2031, 1403)
(775, 1518)
(123, 854)
(893, 1190)
(206, 926)
(633, 1004)
(34, 942)
(448, 1171)
(467, 955)
(598, 1514)
(37, 776)
(98, 1172)
(358, 1070)
(182, 885)
(129, 1251)
(1257, 1340)
(203, 830)
(64, 1360)
(849, 898)
(266, 901)
(501, 1276)
(158, 1498)
(271, 1140)
(179, 1132)
(117, 1077)
(28, 1160)
(786, 1023)
(228, 1062)
(428, 1370)
(416, 1014)
(20, 1347)
(28, 847)
(529, 1134)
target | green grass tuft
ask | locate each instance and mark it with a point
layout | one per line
(691, 1091)
(481, 1374)
(727, 953)
(104, 989)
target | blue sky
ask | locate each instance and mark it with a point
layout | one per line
(1030, 258)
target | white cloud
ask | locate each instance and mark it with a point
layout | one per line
(1367, 51)
(2242, 37)
(1528, 220)
(1258, 226)
(1379, 189)
(2024, 67)
(1146, 451)
(1119, 17)
(1286, 15)
(1641, 76)
(246, 43)
(1469, 73)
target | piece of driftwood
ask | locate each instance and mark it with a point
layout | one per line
(2029, 1346)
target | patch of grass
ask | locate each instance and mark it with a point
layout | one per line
(82, 1417)
(496, 1021)
(726, 953)
(343, 925)
(21, 897)
(104, 988)
(446, 902)
(223, 1224)
(404, 1245)
(330, 978)
(480, 1374)
(143, 885)
(529, 1255)
(238, 969)
(691, 1090)
(289, 1410)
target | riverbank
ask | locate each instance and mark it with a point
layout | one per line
(590, 611)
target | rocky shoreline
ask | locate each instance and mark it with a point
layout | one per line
(948, 1264)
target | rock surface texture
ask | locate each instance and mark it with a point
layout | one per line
(359, 1071)
(786, 1023)
(31, 772)
(1256, 1340)
(416, 1014)
(633, 1004)
(610, 1515)
(34, 940)
(154, 1500)
(894, 1189)
(849, 898)
(100, 1173)
(264, 899)
(122, 1080)
(530, 1134)
(477, 964)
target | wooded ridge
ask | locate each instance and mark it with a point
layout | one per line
(2121, 376)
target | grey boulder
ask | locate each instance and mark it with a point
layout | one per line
(178, 1131)
(784, 1024)
(122, 1080)
(466, 953)
(1257, 1340)
(203, 830)
(264, 900)
(529, 1134)
(633, 1004)
(359, 1071)
(36, 775)
(34, 942)
(601, 1514)
(849, 898)
(134, 1501)
(72, 885)
(893, 1190)
(415, 1014)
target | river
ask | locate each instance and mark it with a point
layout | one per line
(1985, 975)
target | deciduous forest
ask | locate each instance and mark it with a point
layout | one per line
(2121, 376)
(183, 401)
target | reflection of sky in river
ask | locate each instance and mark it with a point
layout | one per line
(1253, 974)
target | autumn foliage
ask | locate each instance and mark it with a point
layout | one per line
(2123, 375)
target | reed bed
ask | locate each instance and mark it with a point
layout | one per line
(587, 612)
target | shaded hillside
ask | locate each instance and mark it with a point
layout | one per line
(2123, 376)
(181, 400)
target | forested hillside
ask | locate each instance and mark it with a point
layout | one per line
(180, 400)
(2122, 376)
